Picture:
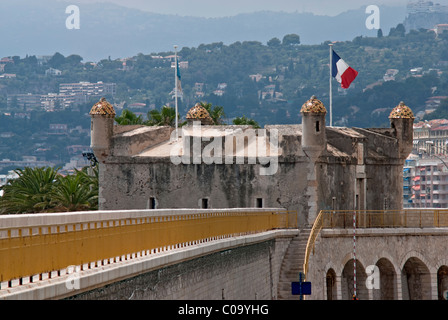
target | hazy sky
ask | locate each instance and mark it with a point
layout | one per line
(219, 8)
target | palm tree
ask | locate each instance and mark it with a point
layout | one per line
(246, 121)
(164, 117)
(39, 190)
(30, 192)
(128, 117)
(74, 193)
(216, 112)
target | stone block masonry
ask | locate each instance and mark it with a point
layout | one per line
(244, 273)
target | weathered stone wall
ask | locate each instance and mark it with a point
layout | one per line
(131, 184)
(249, 272)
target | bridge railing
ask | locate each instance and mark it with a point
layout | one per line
(40, 246)
(411, 218)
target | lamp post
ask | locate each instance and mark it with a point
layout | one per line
(431, 143)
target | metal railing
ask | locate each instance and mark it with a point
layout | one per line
(31, 250)
(411, 218)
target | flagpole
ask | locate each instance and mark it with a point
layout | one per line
(175, 86)
(331, 88)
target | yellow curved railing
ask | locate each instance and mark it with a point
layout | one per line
(317, 226)
(410, 218)
(55, 241)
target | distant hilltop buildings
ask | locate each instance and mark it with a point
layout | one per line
(425, 7)
(425, 14)
(70, 94)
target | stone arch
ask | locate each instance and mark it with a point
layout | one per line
(347, 281)
(415, 279)
(442, 282)
(331, 285)
(416, 254)
(387, 280)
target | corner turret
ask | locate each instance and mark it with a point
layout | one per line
(314, 140)
(402, 121)
(102, 128)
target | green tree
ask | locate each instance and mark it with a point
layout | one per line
(77, 192)
(291, 39)
(38, 190)
(128, 117)
(165, 117)
(274, 42)
(379, 34)
(216, 113)
(56, 60)
(246, 121)
(31, 192)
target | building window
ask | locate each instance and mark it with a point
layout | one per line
(317, 126)
(204, 203)
(259, 203)
(152, 203)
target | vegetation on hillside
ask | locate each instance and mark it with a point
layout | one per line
(267, 83)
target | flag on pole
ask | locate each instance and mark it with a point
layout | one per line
(342, 72)
(179, 86)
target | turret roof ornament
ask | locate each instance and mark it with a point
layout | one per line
(313, 105)
(401, 112)
(103, 107)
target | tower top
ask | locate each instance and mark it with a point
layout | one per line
(313, 105)
(198, 112)
(401, 112)
(104, 108)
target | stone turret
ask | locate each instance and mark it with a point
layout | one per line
(102, 128)
(314, 140)
(402, 120)
(199, 113)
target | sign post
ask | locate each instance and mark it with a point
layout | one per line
(301, 288)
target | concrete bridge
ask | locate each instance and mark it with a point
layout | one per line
(222, 254)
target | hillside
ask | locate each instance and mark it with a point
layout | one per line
(38, 28)
(265, 81)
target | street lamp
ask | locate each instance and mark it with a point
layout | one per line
(424, 150)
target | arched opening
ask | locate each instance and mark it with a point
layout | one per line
(331, 285)
(442, 283)
(348, 283)
(387, 280)
(416, 280)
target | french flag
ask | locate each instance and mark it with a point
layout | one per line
(342, 72)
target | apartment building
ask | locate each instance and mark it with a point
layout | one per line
(431, 137)
(425, 182)
(88, 88)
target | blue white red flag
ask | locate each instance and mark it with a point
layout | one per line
(342, 72)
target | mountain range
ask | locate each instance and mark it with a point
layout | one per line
(109, 30)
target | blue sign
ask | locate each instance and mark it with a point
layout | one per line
(301, 288)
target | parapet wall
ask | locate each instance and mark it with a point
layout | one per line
(52, 256)
(247, 271)
(245, 267)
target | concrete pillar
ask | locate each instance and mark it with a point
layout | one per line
(398, 287)
(434, 287)
(338, 287)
